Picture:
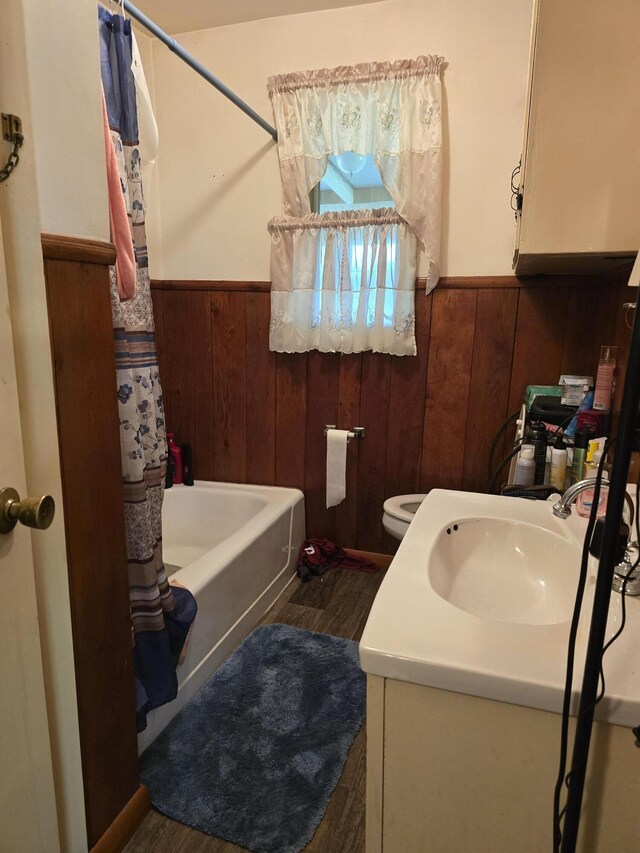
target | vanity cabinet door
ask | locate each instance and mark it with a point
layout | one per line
(580, 176)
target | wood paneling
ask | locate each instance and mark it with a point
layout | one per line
(125, 825)
(229, 386)
(372, 451)
(63, 248)
(291, 421)
(477, 282)
(323, 378)
(261, 402)
(429, 420)
(350, 378)
(490, 379)
(84, 370)
(448, 385)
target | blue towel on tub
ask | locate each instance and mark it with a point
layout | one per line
(156, 655)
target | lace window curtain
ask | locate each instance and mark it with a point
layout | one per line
(366, 264)
(392, 111)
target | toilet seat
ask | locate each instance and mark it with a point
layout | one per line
(403, 507)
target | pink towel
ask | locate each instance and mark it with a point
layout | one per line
(119, 220)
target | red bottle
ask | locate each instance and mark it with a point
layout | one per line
(176, 458)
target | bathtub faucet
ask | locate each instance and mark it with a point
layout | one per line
(624, 575)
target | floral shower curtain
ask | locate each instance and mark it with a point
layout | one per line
(161, 614)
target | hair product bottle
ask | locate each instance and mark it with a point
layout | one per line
(176, 458)
(581, 444)
(537, 436)
(604, 378)
(187, 465)
(558, 468)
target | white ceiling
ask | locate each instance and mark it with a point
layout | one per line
(183, 16)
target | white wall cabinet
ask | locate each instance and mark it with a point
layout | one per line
(580, 175)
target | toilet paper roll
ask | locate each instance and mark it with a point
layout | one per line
(336, 466)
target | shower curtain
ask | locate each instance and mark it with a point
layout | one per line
(161, 614)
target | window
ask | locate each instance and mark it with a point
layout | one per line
(367, 139)
(352, 182)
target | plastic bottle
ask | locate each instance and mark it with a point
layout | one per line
(526, 467)
(567, 481)
(187, 465)
(584, 501)
(537, 436)
(558, 468)
(581, 443)
(176, 458)
(168, 477)
(604, 378)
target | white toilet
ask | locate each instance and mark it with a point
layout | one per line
(399, 512)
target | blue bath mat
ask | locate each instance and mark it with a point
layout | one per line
(255, 755)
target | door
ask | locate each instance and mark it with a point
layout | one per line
(27, 798)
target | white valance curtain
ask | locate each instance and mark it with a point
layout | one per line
(391, 111)
(343, 282)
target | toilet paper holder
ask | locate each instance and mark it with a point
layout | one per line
(356, 432)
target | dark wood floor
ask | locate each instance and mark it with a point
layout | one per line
(337, 603)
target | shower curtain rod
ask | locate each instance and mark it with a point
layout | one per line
(192, 62)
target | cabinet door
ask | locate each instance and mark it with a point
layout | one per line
(581, 165)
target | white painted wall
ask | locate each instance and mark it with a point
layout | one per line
(64, 74)
(219, 177)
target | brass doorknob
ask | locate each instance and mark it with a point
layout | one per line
(32, 512)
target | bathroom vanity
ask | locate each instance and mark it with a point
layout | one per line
(465, 654)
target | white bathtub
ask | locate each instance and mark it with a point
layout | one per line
(237, 548)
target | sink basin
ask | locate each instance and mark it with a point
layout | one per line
(504, 570)
(478, 600)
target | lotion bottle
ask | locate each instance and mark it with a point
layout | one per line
(526, 467)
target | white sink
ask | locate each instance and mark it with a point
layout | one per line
(505, 570)
(478, 600)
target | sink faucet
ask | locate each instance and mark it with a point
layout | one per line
(562, 509)
(623, 576)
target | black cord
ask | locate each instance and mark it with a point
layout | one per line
(566, 421)
(623, 593)
(571, 650)
(491, 475)
(512, 417)
(500, 468)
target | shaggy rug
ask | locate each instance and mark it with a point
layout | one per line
(255, 755)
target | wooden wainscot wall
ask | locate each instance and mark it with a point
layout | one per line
(253, 416)
(79, 305)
